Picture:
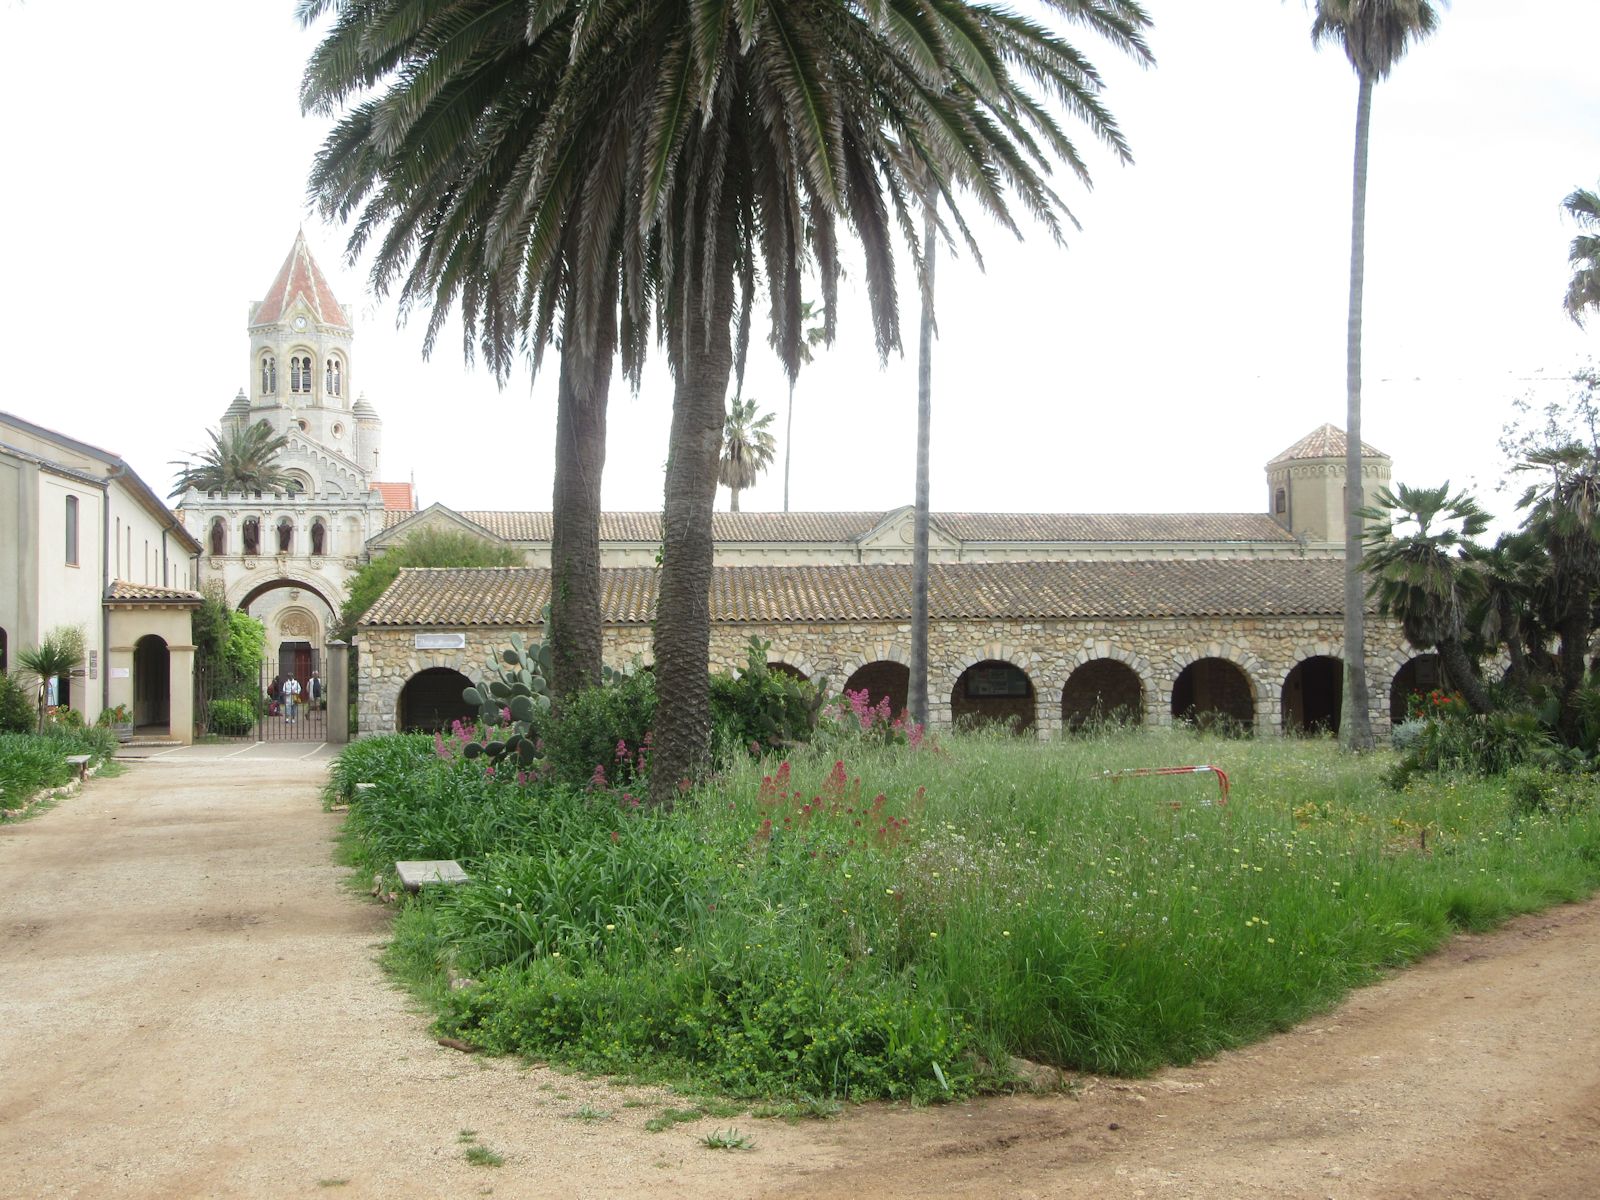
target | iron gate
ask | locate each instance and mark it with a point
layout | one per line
(288, 715)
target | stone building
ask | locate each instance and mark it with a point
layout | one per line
(287, 558)
(1045, 617)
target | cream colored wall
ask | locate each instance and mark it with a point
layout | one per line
(71, 595)
(174, 625)
(18, 560)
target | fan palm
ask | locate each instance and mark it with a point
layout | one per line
(1417, 551)
(1583, 293)
(1564, 513)
(1374, 35)
(241, 458)
(1511, 580)
(747, 448)
(57, 653)
(652, 159)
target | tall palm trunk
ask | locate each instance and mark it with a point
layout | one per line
(585, 380)
(733, 499)
(683, 608)
(917, 691)
(1458, 667)
(788, 445)
(1355, 725)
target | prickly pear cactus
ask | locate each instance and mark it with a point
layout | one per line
(516, 682)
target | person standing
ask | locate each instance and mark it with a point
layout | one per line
(315, 692)
(291, 697)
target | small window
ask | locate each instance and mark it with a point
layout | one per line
(269, 374)
(338, 430)
(303, 424)
(72, 531)
(1280, 501)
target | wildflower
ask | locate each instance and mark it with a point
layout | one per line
(609, 928)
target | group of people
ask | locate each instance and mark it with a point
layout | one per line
(286, 695)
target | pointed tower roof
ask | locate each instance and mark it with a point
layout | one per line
(1325, 441)
(300, 277)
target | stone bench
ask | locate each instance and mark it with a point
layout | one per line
(81, 761)
(415, 875)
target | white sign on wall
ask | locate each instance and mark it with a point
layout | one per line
(119, 672)
(441, 641)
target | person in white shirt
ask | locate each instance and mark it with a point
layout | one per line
(291, 698)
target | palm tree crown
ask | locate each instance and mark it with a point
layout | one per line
(747, 447)
(1374, 34)
(239, 459)
(1583, 293)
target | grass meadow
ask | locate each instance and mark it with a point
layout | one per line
(861, 921)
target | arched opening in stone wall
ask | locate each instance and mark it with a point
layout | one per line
(993, 693)
(1312, 694)
(152, 683)
(1422, 674)
(883, 679)
(1100, 692)
(789, 669)
(1213, 693)
(431, 701)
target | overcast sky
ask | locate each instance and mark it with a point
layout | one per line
(155, 176)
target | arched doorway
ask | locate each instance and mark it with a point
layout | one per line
(993, 693)
(1422, 674)
(152, 683)
(1102, 691)
(1312, 695)
(883, 679)
(431, 701)
(789, 669)
(1213, 693)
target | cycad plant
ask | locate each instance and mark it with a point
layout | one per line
(747, 448)
(239, 459)
(57, 653)
(1418, 545)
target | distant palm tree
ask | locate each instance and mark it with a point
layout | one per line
(1583, 293)
(747, 448)
(1418, 547)
(239, 459)
(1374, 35)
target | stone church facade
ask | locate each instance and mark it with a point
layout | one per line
(1042, 619)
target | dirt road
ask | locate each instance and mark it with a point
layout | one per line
(189, 1006)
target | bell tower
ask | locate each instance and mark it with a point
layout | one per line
(1306, 485)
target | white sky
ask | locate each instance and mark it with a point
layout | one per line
(154, 180)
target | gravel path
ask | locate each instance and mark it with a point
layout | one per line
(189, 1006)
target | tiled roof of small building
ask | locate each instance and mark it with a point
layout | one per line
(300, 276)
(447, 597)
(143, 593)
(848, 527)
(1325, 441)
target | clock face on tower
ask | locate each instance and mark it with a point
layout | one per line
(299, 322)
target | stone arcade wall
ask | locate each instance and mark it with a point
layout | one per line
(1265, 648)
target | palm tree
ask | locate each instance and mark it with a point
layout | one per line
(1417, 552)
(241, 458)
(1374, 35)
(1510, 577)
(747, 448)
(917, 684)
(1583, 293)
(661, 156)
(57, 653)
(816, 334)
(1564, 513)
(481, 173)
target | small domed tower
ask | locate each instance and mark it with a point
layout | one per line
(1306, 485)
(367, 448)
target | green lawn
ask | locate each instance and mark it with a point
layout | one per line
(898, 926)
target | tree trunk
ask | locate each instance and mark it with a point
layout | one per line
(1458, 667)
(1517, 673)
(683, 609)
(574, 635)
(1575, 630)
(1355, 725)
(917, 689)
(733, 499)
(788, 445)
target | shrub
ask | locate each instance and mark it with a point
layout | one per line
(1489, 744)
(606, 727)
(231, 718)
(16, 706)
(761, 708)
(31, 762)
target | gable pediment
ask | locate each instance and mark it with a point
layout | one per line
(897, 531)
(435, 516)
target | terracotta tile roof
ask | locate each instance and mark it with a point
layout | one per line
(848, 527)
(1325, 441)
(300, 276)
(1112, 527)
(398, 499)
(121, 589)
(448, 597)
